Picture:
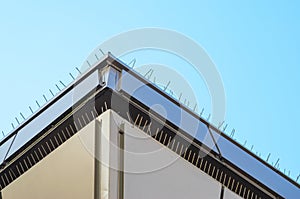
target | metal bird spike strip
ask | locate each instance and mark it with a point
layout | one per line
(186, 103)
(45, 98)
(149, 73)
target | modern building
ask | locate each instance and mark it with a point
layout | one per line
(101, 138)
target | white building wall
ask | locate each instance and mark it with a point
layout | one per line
(66, 173)
(151, 170)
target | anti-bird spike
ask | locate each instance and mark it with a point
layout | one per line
(180, 95)
(220, 125)
(268, 157)
(72, 76)
(132, 62)
(297, 178)
(62, 83)
(208, 117)
(88, 63)
(96, 57)
(169, 82)
(276, 162)
(31, 109)
(57, 87)
(149, 76)
(17, 120)
(195, 107)
(37, 103)
(78, 70)
(202, 111)
(148, 72)
(225, 127)
(51, 92)
(45, 98)
(22, 116)
(232, 133)
(101, 51)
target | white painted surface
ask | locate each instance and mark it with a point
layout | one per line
(230, 195)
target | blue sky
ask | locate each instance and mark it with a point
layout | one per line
(255, 46)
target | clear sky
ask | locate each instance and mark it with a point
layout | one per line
(255, 46)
